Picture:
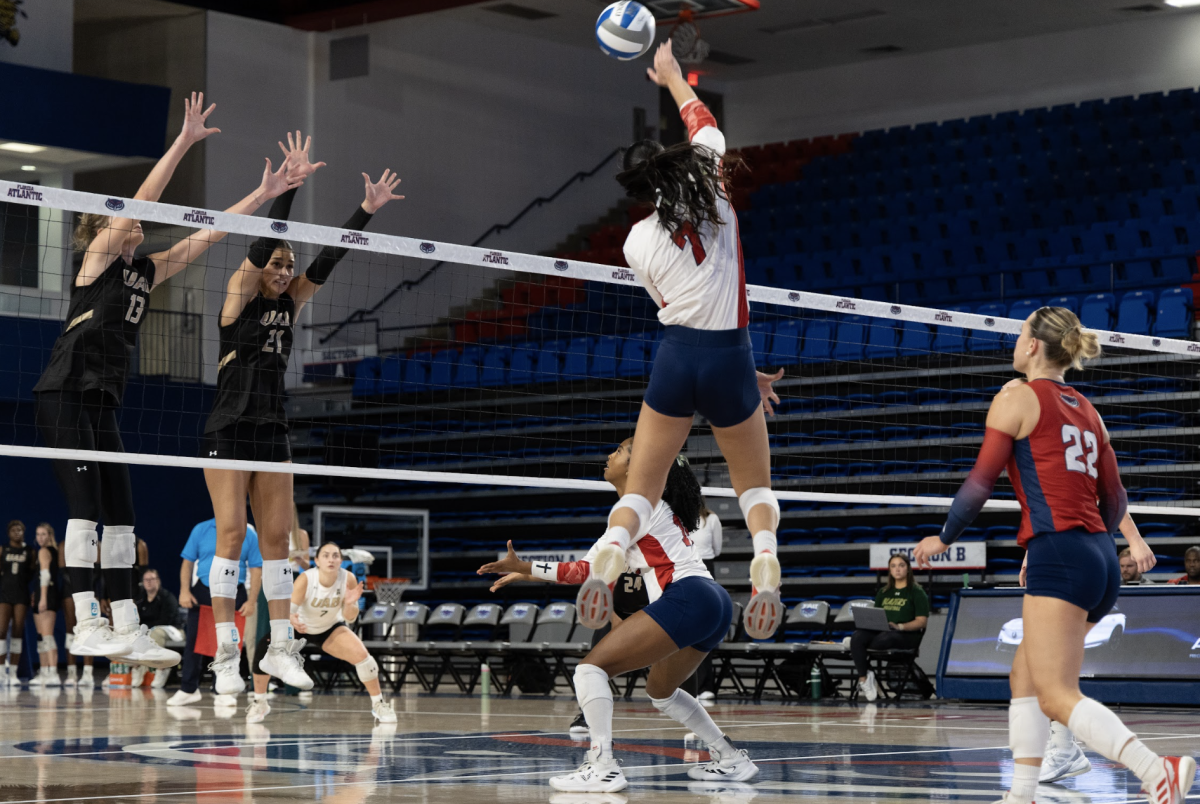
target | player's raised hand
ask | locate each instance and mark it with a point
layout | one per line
(352, 595)
(665, 68)
(277, 182)
(510, 563)
(380, 192)
(297, 159)
(194, 118)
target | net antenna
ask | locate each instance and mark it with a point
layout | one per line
(686, 44)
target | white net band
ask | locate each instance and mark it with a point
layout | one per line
(77, 201)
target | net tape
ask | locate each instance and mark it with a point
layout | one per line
(76, 201)
(194, 217)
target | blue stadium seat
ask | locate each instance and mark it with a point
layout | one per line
(441, 369)
(983, 340)
(391, 374)
(548, 362)
(915, 338)
(897, 533)
(522, 363)
(819, 340)
(604, 356)
(467, 370)
(367, 377)
(1023, 309)
(1098, 311)
(1175, 315)
(1069, 302)
(761, 333)
(416, 373)
(494, 369)
(1136, 312)
(632, 361)
(576, 358)
(850, 339)
(1156, 419)
(882, 334)
(785, 345)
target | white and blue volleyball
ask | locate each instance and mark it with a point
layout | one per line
(625, 30)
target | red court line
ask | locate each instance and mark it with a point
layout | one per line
(684, 754)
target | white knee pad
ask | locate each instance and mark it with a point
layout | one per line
(368, 669)
(47, 645)
(223, 578)
(759, 496)
(118, 550)
(1028, 728)
(277, 579)
(591, 683)
(81, 543)
(640, 506)
(16, 645)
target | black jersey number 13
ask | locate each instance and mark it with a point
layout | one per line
(137, 306)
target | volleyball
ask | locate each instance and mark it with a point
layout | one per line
(625, 30)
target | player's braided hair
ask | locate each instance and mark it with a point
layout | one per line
(682, 493)
(683, 182)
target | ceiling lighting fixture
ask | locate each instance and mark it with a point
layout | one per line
(22, 148)
(1182, 3)
(28, 167)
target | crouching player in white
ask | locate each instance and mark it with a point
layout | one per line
(324, 598)
(689, 614)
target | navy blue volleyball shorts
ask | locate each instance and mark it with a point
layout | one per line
(709, 371)
(695, 612)
(1078, 567)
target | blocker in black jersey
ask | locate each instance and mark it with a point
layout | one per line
(255, 349)
(19, 565)
(101, 330)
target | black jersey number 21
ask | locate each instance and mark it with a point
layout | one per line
(274, 341)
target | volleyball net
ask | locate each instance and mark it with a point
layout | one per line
(496, 369)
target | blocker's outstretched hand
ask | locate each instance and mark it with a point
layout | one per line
(769, 397)
(665, 68)
(380, 192)
(297, 159)
(194, 118)
(927, 548)
(277, 182)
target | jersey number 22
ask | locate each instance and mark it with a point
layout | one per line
(1077, 443)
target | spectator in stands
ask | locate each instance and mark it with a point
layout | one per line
(1191, 568)
(1130, 574)
(158, 610)
(706, 540)
(907, 608)
(197, 556)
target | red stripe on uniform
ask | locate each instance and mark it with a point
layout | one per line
(656, 556)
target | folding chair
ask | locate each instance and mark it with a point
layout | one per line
(464, 658)
(896, 670)
(549, 645)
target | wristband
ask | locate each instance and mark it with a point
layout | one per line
(545, 570)
(294, 608)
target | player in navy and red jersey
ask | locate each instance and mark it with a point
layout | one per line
(1064, 470)
(685, 604)
(688, 257)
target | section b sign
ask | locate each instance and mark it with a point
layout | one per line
(968, 555)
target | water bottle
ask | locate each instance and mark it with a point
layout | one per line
(814, 682)
(485, 681)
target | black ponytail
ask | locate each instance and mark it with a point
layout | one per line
(682, 493)
(683, 182)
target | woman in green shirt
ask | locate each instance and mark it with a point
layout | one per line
(907, 608)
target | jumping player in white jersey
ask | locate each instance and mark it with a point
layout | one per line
(689, 614)
(324, 598)
(687, 255)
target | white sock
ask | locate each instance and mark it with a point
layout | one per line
(1103, 732)
(86, 607)
(125, 616)
(1060, 736)
(260, 696)
(376, 699)
(596, 701)
(1024, 784)
(683, 708)
(281, 633)
(227, 634)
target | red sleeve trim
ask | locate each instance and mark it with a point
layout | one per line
(696, 116)
(574, 572)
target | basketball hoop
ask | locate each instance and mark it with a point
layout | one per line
(686, 44)
(390, 590)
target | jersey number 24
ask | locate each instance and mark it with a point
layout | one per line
(1078, 442)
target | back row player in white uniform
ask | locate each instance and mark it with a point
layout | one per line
(688, 256)
(324, 598)
(688, 615)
